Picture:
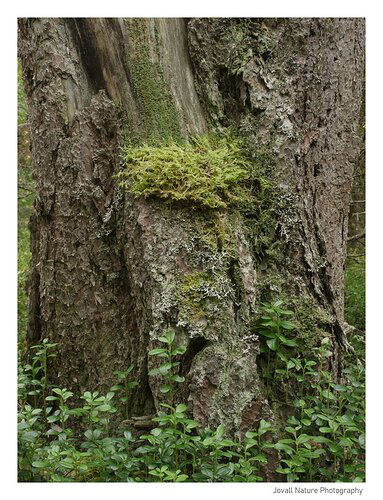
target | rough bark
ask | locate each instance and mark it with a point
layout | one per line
(110, 273)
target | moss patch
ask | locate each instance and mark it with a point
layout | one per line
(200, 292)
(313, 324)
(261, 215)
(210, 170)
(217, 231)
(158, 114)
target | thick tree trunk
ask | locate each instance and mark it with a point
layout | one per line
(110, 273)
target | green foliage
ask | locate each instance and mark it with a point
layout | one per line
(124, 387)
(323, 440)
(211, 171)
(176, 450)
(274, 327)
(326, 440)
(168, 367)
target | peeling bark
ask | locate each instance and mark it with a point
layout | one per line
(109, 273)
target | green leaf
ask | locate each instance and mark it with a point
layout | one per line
(163, 369)
(191, 424)
(251, 435)
(283, 446)
(310, 363)
(227, 442)
(155, 352)
(132, 384)
(272, 344)
(325, 429)
(165, 388)
(104, 407)
(208, 441)
(268, 323)
(88, 434)
(287, 325)
(169, 337)
(264, 427)
(52, 418)
(181, 408)
(282, 356)
(177, 378)
(334, 448)
(163, 339)
(303, 438)
(266, 333)
(39, 464)
(116, 388)
(345, 442)
(181, 478)
(207, 472)
(220, 431)
(277, 304)
(290, 430)
(179, 350)
(320, 439)
(288, 342)
(339, 388)
(283, 471)
(362, 440)
(250, 443)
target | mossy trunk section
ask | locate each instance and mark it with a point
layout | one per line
(110, 272)
(294, 87)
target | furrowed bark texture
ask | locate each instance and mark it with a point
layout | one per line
(110, 273)
(300, 82)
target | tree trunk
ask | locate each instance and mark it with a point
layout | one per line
(110, 272)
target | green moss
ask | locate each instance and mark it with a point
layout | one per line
(217, 231)
(210, 170)
(262, 214)
(199, 294)
(192, 294)
(313, 324)
(158, 114)
(21, 102)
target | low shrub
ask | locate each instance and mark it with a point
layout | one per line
(323, 439)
